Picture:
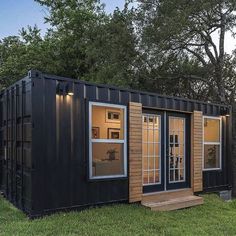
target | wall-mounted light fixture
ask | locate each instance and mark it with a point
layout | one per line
(224, 111)
(64, 88)
(60, 88)
(69, 89)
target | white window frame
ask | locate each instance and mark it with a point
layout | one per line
(119, 141)
(212, 143)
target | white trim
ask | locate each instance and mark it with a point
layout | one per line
(119, 141)
(212, 143)
(154, 150)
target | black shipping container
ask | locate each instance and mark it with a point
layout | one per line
(44, 142)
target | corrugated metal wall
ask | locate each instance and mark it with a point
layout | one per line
(16, 144)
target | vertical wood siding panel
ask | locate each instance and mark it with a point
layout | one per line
(197, 150)
(135, 152)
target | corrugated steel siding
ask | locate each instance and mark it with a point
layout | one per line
(16, 139)
(56, 176)
(60, 150)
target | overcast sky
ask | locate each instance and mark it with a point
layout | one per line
(15, 14)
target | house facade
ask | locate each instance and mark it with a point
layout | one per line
(70, 144)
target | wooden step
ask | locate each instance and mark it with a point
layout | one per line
(174, 204)
(164, 196)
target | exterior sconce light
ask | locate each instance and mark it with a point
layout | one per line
(224, 111)
(69, 89)
(60, 88)
(64, 88)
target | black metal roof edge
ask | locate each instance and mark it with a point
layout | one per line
(55, 77)
(39, 74)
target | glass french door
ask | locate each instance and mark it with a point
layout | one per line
(165, 145)
(152, 146)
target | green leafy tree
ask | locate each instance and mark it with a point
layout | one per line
(92, 45)
(177, 27)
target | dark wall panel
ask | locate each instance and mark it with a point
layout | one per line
(15, 158)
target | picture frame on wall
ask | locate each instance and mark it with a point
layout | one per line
(113, 133)
(95, 133)
(113, 116)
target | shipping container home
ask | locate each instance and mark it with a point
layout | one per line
(70, 144)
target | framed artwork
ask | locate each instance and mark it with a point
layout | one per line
(113, 133)
(113, 116)
(95, 133)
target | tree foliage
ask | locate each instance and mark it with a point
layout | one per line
(194, 28)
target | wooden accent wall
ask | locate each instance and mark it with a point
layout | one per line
(135, 152)
(197, 151)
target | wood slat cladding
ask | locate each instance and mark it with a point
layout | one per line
(197, 150)
(135, 152)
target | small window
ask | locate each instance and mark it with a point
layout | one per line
(212, 143)
(107, 141)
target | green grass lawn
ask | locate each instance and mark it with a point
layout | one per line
(215, 217)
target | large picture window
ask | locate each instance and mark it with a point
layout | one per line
(212, 143)
(107, 141)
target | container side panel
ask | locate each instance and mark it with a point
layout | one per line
(16, 128)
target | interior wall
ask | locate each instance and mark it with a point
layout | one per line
(99, 120)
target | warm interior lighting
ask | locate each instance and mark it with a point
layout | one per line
(70, 93)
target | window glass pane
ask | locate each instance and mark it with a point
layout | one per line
(181, 174)
(151, 149)
(151, 177)
(145, 122)
(171, 124)
(156, 122)
(157, 160)
(145, 135)
(107, 159)
(151, 135)
(171, 175)
(157, 149)
(151, 163)
(157, 177)
(156, 136)
(176, 175)
(107, 123)
(145, 162)
(145, 149)
(151, 122)
(211, 130)
(211, 156)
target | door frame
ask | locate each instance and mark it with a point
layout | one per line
(165, 185)
(187, 152)
(159, 186)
